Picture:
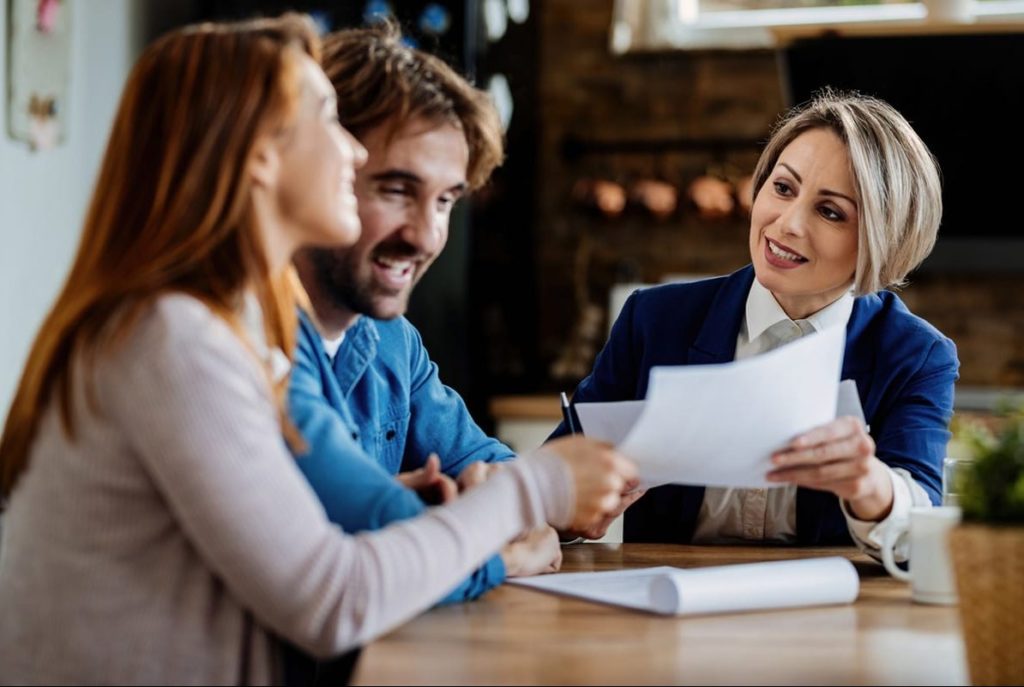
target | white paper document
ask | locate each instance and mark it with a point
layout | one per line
(719, 589)
(717, 425)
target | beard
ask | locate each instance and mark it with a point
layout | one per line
(344, 285)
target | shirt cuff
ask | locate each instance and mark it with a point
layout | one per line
(869, 535)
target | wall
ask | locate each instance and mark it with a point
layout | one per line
(43, 195)
(708, 109)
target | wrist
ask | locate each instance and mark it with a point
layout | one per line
(510, 560)
(877, 504)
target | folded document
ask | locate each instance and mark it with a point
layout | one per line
(719, 589)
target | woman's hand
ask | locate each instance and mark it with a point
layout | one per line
(535, 553)
(600, 475)
(630, 495)
(838, 457)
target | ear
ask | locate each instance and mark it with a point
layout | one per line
(265, 162)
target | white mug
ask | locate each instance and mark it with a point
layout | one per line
(931, 569)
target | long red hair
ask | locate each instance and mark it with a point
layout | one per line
(172, 207)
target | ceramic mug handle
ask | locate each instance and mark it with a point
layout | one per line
(892, 538)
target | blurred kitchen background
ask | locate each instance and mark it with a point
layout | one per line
(633, 127)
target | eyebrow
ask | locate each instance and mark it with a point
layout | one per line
(824, 191)
(409, 177)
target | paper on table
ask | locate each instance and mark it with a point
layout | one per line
(718, 425)
(718, 589)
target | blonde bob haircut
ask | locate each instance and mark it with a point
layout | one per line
(899, 190)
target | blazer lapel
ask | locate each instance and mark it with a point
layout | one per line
(716, 342)
(859, 355)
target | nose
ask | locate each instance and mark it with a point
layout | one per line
(426, 228)
(793, 221)
(359, 154)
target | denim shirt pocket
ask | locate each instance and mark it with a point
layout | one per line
(390, 443)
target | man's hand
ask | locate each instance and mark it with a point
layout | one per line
(534, 553)
(433, 486)
(476, 473)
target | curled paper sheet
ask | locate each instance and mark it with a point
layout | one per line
(718, 589)
(754, 586)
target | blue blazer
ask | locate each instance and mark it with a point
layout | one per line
(904, 369)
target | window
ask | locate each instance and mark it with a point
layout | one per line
(696, 24)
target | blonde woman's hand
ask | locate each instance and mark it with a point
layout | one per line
(600, 475)
(838, 457)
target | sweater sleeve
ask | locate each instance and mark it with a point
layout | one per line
(198, 413)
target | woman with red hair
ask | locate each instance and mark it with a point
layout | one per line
(157, 529)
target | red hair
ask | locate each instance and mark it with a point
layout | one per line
(172, 207)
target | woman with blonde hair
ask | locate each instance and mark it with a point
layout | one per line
(156, 528)
(847, 201)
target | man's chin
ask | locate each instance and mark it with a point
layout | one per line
(388, 309)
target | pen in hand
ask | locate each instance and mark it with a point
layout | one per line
(567, 415)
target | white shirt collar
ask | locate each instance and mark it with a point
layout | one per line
(331, 346)
(763, 311)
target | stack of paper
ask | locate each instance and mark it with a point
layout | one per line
(718, 425)
(719, 589)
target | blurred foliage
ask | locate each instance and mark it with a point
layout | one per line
(991, 487)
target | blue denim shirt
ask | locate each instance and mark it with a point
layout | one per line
(355, 414)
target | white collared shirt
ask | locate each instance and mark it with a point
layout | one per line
(730, 515)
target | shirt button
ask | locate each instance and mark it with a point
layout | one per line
(355, 436)
(390, 435)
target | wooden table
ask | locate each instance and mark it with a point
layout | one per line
(519, 636)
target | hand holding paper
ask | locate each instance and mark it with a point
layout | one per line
(838, 457)
(719, 425)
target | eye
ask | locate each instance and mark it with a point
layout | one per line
(394, 190)
(446, 201)
(782, 188)
(830, 213)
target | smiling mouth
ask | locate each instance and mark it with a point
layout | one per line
(781, 253)
(395, 272)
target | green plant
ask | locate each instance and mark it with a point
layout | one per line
(991, 487)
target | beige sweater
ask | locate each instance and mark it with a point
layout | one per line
(175, 537)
